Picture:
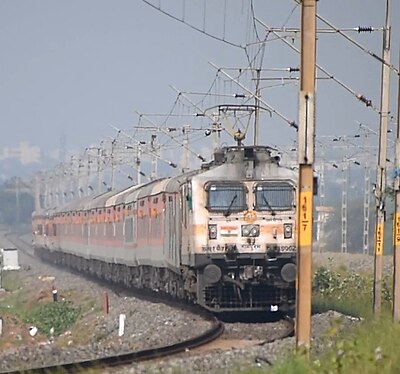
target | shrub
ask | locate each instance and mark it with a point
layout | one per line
(350, 293)
(59, 316)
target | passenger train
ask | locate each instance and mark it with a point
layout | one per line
(222, 236)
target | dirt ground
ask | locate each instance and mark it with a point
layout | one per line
(30, 293)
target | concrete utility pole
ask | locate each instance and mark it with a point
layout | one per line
(367, 196)
(153, 147)
(112, 163)
(185, 146)
(396, 228)
(257, 107)
(306, 150)
(381, 170)
(321, 212)
(138, 163)
(345, 183)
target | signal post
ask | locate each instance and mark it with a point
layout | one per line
(306, 150)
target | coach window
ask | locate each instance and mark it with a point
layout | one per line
(226, 198)
(274, 196)
(129, 230)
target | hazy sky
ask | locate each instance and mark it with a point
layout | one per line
(73, 67)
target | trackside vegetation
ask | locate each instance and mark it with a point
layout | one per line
(32, 308)
(53, 318)
(372, 347)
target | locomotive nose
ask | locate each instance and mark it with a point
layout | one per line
(288, 272)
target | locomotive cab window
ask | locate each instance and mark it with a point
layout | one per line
(274, 196)
(226, 198)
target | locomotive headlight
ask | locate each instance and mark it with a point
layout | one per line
(212, 231)
(250, 231)
(287, 230)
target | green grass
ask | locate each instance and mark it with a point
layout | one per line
(348, 292)
(29, 306)
(58, 316)
(372, 347)
(13, 303)
(11, 280)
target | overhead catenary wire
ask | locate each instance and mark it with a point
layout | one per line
(212, 85)
(158, 8)
(358, 29)
(202, 111)
(270, 108)
(351, 40)
(171, 111)
(358, 96)
(149, 150)
(260, 51)
(199, 156)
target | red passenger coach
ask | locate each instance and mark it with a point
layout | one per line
(222, 236)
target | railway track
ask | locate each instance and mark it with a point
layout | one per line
(125, 359)
(211, 334)
(211, 339)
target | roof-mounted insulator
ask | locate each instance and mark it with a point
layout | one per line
(294, 125)
(364, 100)
(200, 157)
(365, 29)
(291, 70)
(239, 96)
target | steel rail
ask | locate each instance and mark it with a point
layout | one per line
(128, 358)
(143, 355)
(124, 359)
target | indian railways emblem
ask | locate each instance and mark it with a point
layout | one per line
(250, 216)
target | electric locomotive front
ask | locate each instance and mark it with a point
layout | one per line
(243, 246)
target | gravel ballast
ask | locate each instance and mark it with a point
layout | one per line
(150, 324)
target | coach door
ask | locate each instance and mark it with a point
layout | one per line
(172, 231)
(184, 224)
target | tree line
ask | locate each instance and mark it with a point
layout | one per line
(16, 203)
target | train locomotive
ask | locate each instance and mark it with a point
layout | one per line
(222, 236)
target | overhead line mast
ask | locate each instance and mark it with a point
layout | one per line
(380, 193)
(306, 151)
(396, 228)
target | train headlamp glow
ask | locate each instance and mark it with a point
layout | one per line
(250, 231)
(212, 231)
(287, 230)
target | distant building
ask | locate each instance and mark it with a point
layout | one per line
(25, 153)
(9, 258)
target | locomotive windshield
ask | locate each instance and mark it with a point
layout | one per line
(226, 198)
(274, 196)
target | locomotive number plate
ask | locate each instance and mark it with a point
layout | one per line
(287, 248)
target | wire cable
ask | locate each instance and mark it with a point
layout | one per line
(191, 26)
(351, 40)
(360, 97)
